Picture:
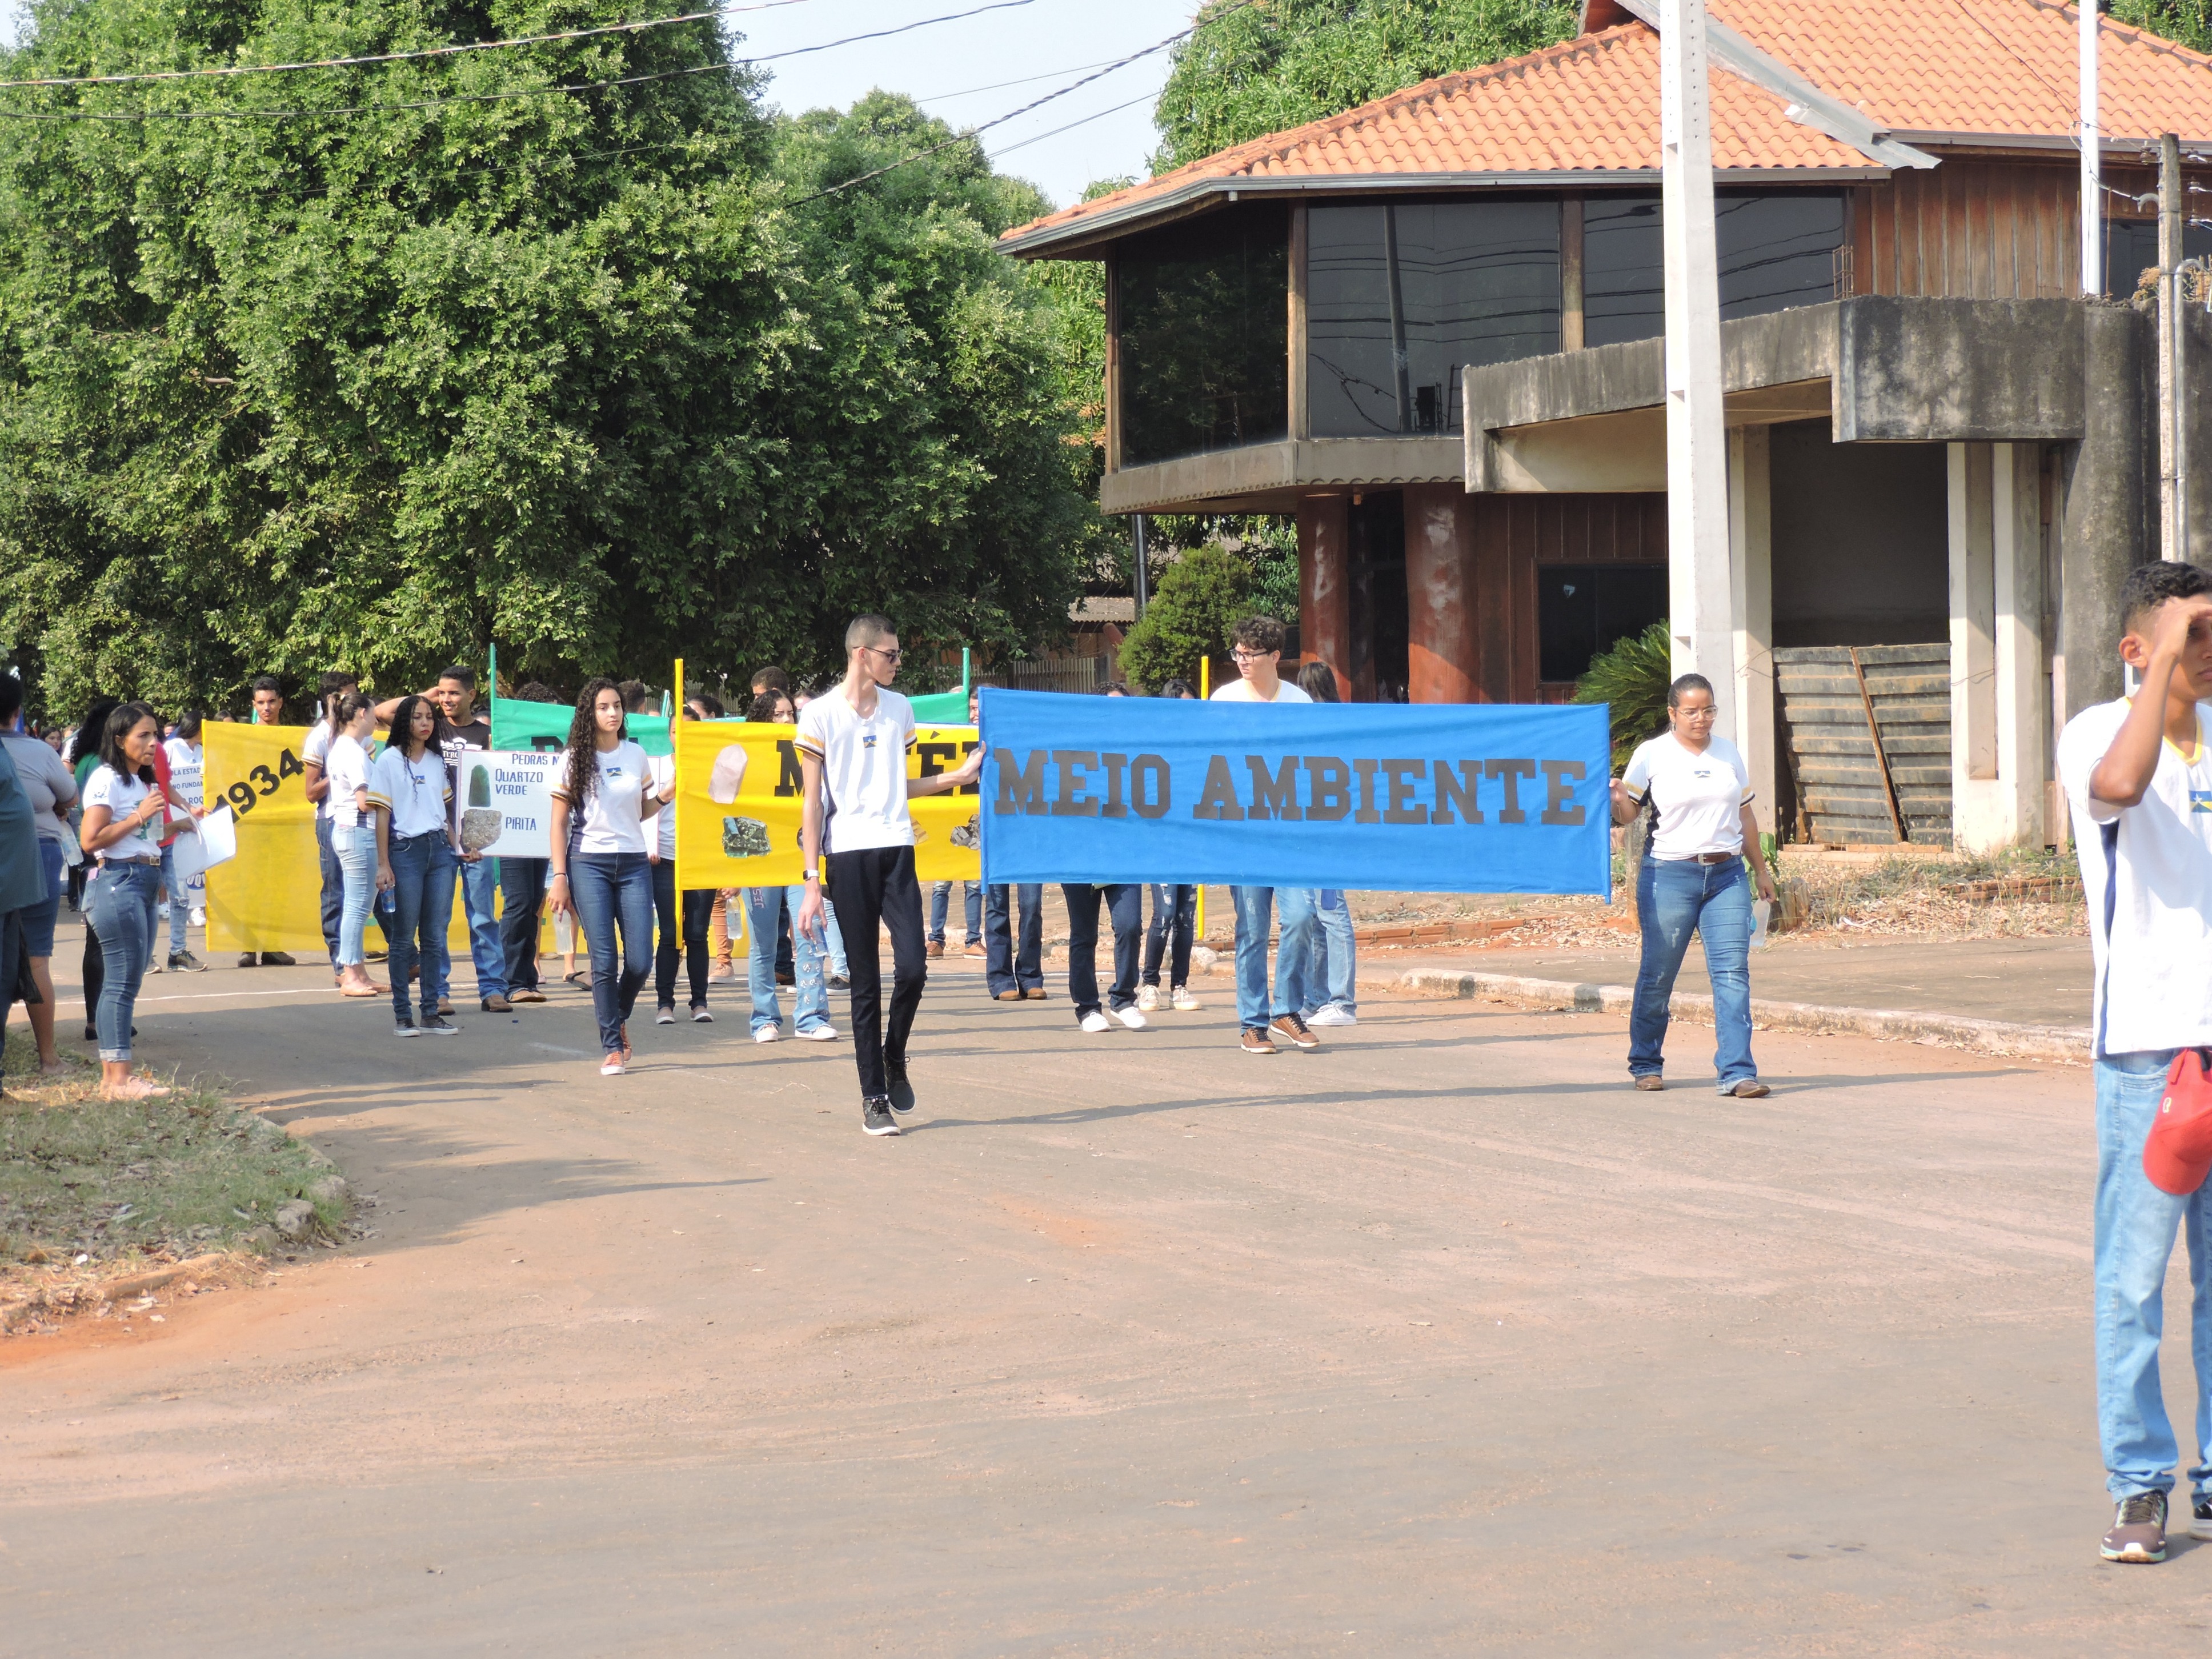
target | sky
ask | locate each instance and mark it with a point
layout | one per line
(959, 71)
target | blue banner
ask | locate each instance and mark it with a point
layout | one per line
(1445, 798)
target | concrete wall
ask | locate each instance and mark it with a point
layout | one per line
(1860, 540)
(1958, 370)
(2109, 513)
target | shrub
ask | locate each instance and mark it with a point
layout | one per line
(1633, 679)
(1201, 596)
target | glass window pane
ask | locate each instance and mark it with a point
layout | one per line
(1776, 250)
(1584, 609)
(1624, 265)
(2131, 248)
(1400, 296)
(1205, 335)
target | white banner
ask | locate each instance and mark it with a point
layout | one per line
(504, 802)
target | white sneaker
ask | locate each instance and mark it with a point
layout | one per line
(1184, 1000)
(1148, 997)
(1130, 1018)
(613, 1066)
(1331, 1013)
(819, 1034)
(768, 1034)
(1095, 1021)
(701, 1016)
(665, 1017)
(198, 917)
(162, 909)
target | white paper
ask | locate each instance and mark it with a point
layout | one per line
(515, 818)
(1762, 917)
(216, 841)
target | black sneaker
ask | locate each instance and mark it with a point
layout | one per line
(183, 961)
(2200, 1519)
(838, 982)
(2138, 1531)
(902, 1091)
(404, 1027)
(438, 1026)
(876, 1117)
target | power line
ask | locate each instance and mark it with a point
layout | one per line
(393, 56)
(1000, 85)
(1039, 137)
(501, 97)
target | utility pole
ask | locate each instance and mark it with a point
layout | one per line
(2173, 528)
(2093, 188)
(1142, 590)
(1698, 586)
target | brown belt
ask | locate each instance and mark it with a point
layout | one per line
(1718, 858)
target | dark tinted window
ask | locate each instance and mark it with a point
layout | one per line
(1205, 335)
(1582, 609)
(1399, 297)
(1776, 251)
(2131, 248)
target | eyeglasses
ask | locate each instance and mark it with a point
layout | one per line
(893, 655)
(1250, 656)
(1706, 714)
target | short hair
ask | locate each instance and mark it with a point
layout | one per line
(1175, 686)
(1262, 633)
(2150, 586)
(188, 725)
(708, 703)
(536, 691)
(11, 697)
(1687, 683)
(122, 721)
(764, 678)
(868, 629)
(464, 678)
(1318, 680)
(268, 683)
(337, 681)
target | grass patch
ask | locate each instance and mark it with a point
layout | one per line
(119, 1182)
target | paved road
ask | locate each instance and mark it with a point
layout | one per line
(1441, 1341)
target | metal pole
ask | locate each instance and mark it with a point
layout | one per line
(2169, 347)
(1698, 590)
(1144, 575)
(1400, 368)
(2092, 193)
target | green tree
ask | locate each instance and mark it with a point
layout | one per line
(1631, 679)
(1263, 68)
(1201, 597)
(2189, 22)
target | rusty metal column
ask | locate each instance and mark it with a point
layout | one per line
(1442, 659)
(1324, 586)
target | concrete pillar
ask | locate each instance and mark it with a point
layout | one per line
(1325, 586)
(1751, 575)
(2108, 478)
(2001, 738)
(1444, 658)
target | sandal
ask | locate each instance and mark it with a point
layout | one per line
(580, 977)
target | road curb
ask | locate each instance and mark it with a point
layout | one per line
(1991, 1036)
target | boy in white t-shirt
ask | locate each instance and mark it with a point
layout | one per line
(1257, 648)
(853, 742)
(2139, 781)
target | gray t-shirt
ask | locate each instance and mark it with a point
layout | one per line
(45, 780)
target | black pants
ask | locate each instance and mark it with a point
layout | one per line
(698, 910)
(94, 968)
(1174, 910)
(873, 887)
(1125, 906)
(521, 895)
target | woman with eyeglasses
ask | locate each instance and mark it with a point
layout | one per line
(1698, 792)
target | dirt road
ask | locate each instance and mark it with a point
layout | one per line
(1440, 1341)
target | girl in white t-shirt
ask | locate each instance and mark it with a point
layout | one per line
(353, 838)
(606, 793)
(1699, 792)
(417, 858)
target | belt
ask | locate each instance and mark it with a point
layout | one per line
(1704, 857)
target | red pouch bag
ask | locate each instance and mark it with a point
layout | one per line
(2177, 1151)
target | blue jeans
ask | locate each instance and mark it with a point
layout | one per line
(833, 942)
(423, 870)
(479, 886)
(1005, 969)
(1330, 974)
(2134, 1227)
(333, 886)
(1175, 909)
(764, 906)
(1674, 896)
(355, 849)
(179, 906)
(614, 891)
(120, 904)
(940, 900)
(1125, 911)
(1254, 1009)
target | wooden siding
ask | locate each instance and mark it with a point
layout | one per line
(1512, 536)
(1837, 779)
(1970, 230)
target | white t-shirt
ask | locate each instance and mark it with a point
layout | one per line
(347, 768)
(609, 822)
(185, 767)
(315, 750)
(2147, 872)
(1240, 690)
(121, 796)
(416, 793)
(863, 769)
(1699, 797)
(663, 768)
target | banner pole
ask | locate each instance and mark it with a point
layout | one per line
(491, 698)
(675, 772)
(1205, 695)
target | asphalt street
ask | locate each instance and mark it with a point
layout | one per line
(1440, 1341)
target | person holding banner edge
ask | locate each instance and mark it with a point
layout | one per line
(1692, 879)
(417, 857)
(856, 831)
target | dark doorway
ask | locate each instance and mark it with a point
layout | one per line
(1862, 540)
(1375, 544)
(1585, 610)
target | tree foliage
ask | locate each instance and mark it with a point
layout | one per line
(583, 372)
(1259, 70)
(1201, 597)
(2189, 22)
(1632, 678)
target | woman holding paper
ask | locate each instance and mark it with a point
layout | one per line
(126, 813)
(417, 859)
(600, 871)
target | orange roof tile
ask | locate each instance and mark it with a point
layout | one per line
(1986, 70)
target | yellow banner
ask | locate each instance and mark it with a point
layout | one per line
(269, 896)
(738, 805)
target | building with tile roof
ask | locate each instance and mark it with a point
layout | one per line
(1429, 329)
